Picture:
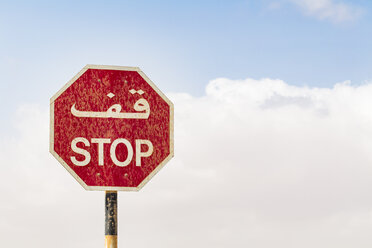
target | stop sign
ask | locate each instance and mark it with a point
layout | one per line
(111, 128)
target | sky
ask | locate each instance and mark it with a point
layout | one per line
(272, 122)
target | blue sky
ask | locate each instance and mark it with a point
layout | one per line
(180, 45)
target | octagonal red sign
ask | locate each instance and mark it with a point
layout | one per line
(111, 128)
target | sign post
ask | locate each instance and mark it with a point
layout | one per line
(111, 219)
(112, 129)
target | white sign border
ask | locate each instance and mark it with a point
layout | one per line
(106, 188)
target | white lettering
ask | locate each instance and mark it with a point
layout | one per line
(101, 142)
(81, 151)
(113, 152)
(101, 156)
(140, 154)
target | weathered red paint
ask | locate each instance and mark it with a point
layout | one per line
(89, 93)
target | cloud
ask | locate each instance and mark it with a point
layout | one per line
(257, 163)
(329, 10)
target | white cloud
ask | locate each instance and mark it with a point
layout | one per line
(329, 10)
(257, 163)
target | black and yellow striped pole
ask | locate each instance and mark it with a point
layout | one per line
(111, 219)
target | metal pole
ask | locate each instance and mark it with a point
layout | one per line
(111, 219)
